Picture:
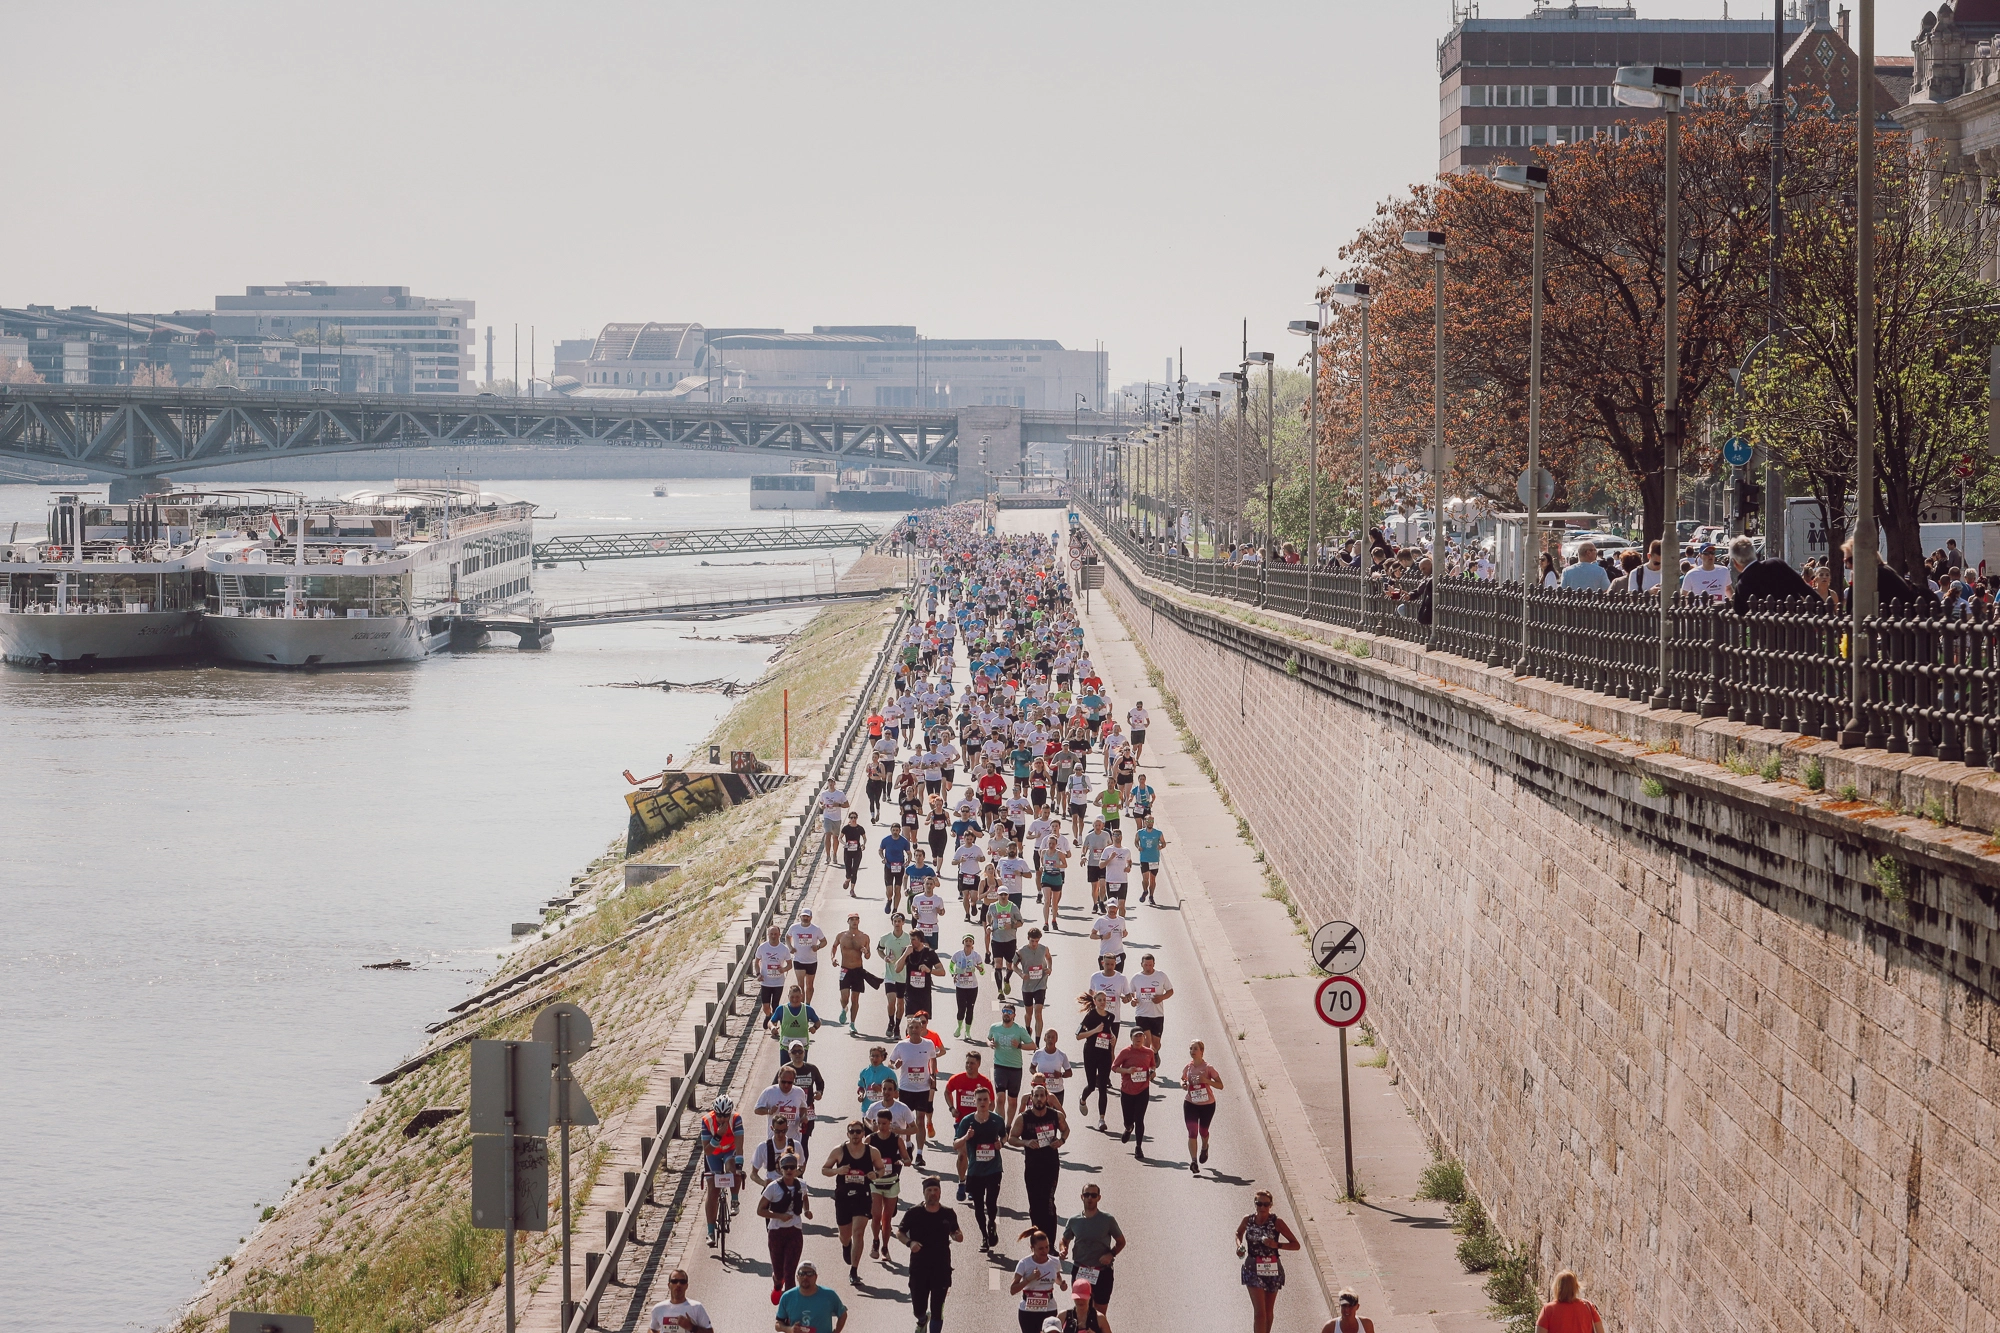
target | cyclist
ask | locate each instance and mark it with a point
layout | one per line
(722, 1160)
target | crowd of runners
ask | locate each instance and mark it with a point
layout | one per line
(1005, 809)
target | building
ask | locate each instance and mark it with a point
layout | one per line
(1954, 102)
(1507, 86)
(871, 365)
(425, 343)
(81, 345)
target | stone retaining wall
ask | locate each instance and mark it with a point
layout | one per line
(1708, 1048)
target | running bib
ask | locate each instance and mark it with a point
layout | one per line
(1033, 973)
(1143, 1076)
(1085, 1275)
(1103, 1042)
(1045, 1136)
(1267, 1268)
(1037, 1300)
(985, 1153)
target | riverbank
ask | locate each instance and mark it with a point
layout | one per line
(376, 1233)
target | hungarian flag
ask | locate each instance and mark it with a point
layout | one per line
(277, 527)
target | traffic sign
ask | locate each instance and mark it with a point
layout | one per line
(1340, 1001)
(1736, 451)
(490, 1178)
(492, 1099)
(549, 1029)
(1548, 486)
(1338, 948)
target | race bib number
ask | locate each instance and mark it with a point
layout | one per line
(1103, 1041)
(985, 1153)
(1267, 1268)
(1143, 1076)
(1085, 1275)
(1045, 1136)
(1032, 1299)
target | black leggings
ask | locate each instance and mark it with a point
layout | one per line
(985, 1192)
(852, 860)
(968, 1003)
(1041, 1180)
(927, 1293)
(1096, 1076)
(1133, 1105)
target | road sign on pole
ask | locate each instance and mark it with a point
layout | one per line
(489, 1183)
(566, 1029)
(509, 1114)
(1736, 451)
(1338, 948)
(1548, 486)
(1340, 1001)
(528, 1107)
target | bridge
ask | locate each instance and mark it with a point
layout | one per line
(701, 541)
(534, 630)
(139, 434)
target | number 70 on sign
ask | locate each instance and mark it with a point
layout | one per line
(1340, 1001)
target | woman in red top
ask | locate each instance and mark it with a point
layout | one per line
(1134, 1067)
(1569, 1312)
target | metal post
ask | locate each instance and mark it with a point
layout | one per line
(1862, 571)
(562, 1104)
(1774, 478)
(511, 1051)
(1270, 461)
(1367, 506)
(788, 733)
(1437, 412)
(1670, 545)
(1346, 1119)
(1312, 460)
(1536, 202)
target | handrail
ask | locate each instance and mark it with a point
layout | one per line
(805, 841)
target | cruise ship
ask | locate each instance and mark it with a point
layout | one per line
(106, 584)
(376, 576)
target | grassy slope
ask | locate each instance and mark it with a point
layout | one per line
(377, 1235)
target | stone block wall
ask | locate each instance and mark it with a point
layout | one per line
(1693, 1046)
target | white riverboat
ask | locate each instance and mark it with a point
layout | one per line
(377, 576)
(106, 584)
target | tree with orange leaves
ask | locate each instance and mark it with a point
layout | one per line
(1604, 426)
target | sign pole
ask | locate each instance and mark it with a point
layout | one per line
(788, 733)
(1346, 1130)
(562, 1100)
(509, 1186)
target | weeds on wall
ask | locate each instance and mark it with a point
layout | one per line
(1815, 774)
(1513, 1278)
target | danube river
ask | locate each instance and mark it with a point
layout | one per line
(202, 861)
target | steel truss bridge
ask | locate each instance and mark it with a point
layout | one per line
(141, 433)
(701, 541)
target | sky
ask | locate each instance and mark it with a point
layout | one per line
(1147, 176)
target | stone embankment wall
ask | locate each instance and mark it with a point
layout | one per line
(1729, 1050)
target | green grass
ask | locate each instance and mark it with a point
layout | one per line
(1773, 769)
(1515, 1290)
(1443, 1181)
(1888, 873)
(1849, 792)
(1479, 1245)
(1654, 788)
(1815, 774)
(1740, 764)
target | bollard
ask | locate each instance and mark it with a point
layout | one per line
(645, 1154)
(612, 1217)
(632, 1177)
(591, 1261)
(687, 1062)
(660, 1112)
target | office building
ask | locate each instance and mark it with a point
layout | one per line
(425, 343)
(1953, 106)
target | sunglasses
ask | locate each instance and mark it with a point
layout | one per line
(677, 1282)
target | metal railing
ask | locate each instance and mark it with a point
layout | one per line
(806, 842)
(1930, 682)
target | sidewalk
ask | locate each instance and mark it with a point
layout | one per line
(1394, 1252)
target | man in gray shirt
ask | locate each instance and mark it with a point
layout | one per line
(1586, 572)
(1093, 1240)
(1094, 843)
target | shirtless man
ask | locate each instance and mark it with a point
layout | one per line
(852, 947)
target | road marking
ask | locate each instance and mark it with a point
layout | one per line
(993, 1279)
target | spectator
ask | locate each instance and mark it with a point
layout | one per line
(1889, 585)
(1708, 579)
(1647, 577)
(1569, 1312)
(1549, 578)
(1762, 578)
(1586, 574)
(1627, 562)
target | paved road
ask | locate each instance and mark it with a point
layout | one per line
(1180, 1257)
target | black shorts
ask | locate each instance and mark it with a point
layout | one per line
(1197, 1115)
(1004, 949)
(896, 988)
(1156, 1026)
(848, 1209)
(967, 883)
(1035, 996)
(918, 1102)
(1117, 890)
(772, 995)
(1077, 811)
(891, 878)
(1095, 873)
(1139, 736)
(805, 969)
(1007, 1079)
(1100, 1291)
(918, 999)
(854, 978)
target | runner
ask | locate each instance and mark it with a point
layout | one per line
(915, 1062)
(1109, 931)
(977, 1138)
(677, 1313)
(920, 879)
(923, 967)
(1003, 926)
(929, 1230)
(1093, 1240)
(1099, 1034)
(722, 1159)
(806, 940)
(928, 909)
(1138, 719)
(1150, 990)
(832, 804)
(891, 1146)
(784, 1207)
(1036, 1279)
(895, 851)
(1134, 1066)
(1055, 864)
(1093, 845)
(783, 1098)
(1260, 1239)
(853, 1166)
(1037, 964)
(1149, 841)
(809, 1307)
(1040, 1131)
(766, 1156)
(894, 949)
(1117, 868)
(850, 946)
(967, 965)
(793, 1022)
(853, 841)
(806, 1076)
(967, 859)
(874, 1074)
(878, 780)
(1011, 1043)
(774, 959)
(1199, 1080)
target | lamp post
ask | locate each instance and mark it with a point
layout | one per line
(1858, 730)
(1269, 361)
(1432, 244)
(1660, 86)
(1310, 329)
(1359, 295)
(1533, 182)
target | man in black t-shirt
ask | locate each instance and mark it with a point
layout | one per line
(853, 838)
(921, 967)
(929, 1230)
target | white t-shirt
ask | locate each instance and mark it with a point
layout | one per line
(1117, 986)
(900, 1115)
(831, 802)
(1113, 930)
(775, 1098)
(1039, 1295)
(1644, 579)
(965, 965)
(1011, 870)
(1137, 719)
(968, 858)
(806, 939)
(1714, 582)
(774, 1193)
(1053, 1066)
(916, 1065)
(764, 1160)
(771, 962)
(1117, 862)
(1145, 986)
(666, 1317)
(927, 906)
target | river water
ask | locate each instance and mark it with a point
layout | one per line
(200, 863)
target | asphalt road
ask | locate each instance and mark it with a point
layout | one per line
(1180, 1258)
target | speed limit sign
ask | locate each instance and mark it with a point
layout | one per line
(1340, 1001)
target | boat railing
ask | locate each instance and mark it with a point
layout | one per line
(278, 560)
(304, 608)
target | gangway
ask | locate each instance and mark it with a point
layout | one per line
(701, 541)
(534, 629)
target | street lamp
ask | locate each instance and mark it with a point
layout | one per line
(1432, 245)
(1309, 329)
(1533, 182)
(1660, 86)
(1359, 295)
(1862, 571)
(1269, 361)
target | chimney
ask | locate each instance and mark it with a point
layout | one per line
(1843, 25)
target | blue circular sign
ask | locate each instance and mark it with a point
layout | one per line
(1736, 451)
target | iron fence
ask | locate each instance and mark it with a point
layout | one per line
(1930, 682)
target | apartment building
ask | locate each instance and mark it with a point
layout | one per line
(425, 342)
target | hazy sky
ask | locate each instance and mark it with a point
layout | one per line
(1145, 175)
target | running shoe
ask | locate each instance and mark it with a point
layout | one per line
(1194, 1168)
(774, 1295)
(1204, 1152)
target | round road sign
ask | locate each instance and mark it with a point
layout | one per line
(1736, 451)
(1337, 948)
(1340, 1001)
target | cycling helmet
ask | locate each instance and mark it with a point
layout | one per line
(723, 1106)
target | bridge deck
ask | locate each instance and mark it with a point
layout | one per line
(701, 541)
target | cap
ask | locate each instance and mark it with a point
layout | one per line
(797, 1046)
(1080, 1290)
(1052, 1325)
(805, 911)
(807, 1266)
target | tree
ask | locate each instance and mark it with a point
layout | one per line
(1934, 323)
(153, 376)
(1604, 425)
(221, 375)
(13, 371)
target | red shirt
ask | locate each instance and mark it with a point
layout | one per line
(1578, 1316)
(960, 1091)
(992, 788)
(1135, 1065)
